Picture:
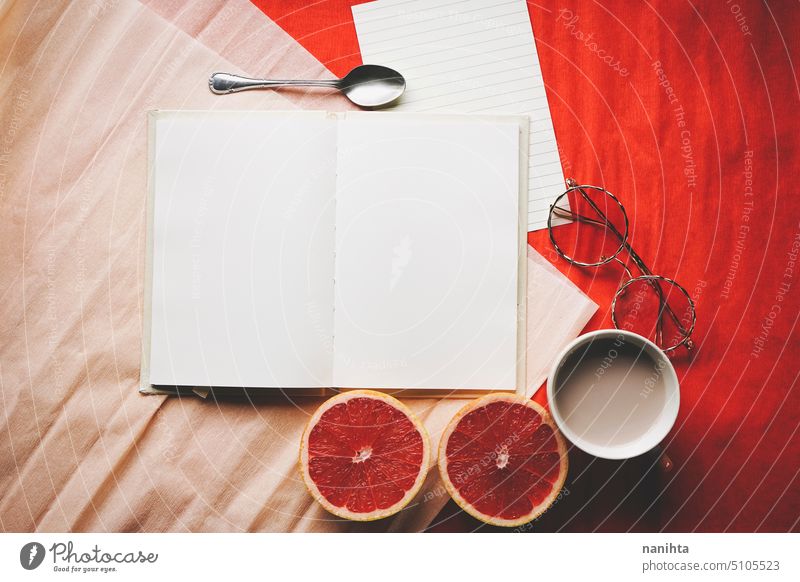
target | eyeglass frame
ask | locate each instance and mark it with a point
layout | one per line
(647, 274)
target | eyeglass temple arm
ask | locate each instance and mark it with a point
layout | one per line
(571, 183)
(606, 223)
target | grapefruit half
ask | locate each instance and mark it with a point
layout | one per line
(503, 460)
(364, 455)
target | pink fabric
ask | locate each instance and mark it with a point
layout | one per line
(81, 449)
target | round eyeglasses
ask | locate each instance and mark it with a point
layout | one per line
(592, 232)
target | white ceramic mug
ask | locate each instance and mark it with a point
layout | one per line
(614, 394)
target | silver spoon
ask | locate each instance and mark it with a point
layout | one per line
(366, 85)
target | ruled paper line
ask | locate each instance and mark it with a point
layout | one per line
(490, 65)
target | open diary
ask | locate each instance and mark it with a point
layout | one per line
(311, 250)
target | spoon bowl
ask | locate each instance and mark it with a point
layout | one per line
(368, 86)
(372, 86)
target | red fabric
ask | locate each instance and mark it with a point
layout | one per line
(732, 68)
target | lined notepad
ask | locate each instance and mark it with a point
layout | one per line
(469, 56)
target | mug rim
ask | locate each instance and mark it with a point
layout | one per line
(643, 443)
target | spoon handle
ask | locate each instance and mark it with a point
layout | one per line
(222, 83)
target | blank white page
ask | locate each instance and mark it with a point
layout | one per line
(242, 267)
(427, 248)
(469, 56)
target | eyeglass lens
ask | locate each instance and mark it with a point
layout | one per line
(654, 308)
(588, 239)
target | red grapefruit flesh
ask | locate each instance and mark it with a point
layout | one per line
(503, 460)
(364, 455)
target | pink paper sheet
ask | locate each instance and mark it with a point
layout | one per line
(81, 449)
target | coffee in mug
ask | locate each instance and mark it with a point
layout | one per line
(614, 394)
